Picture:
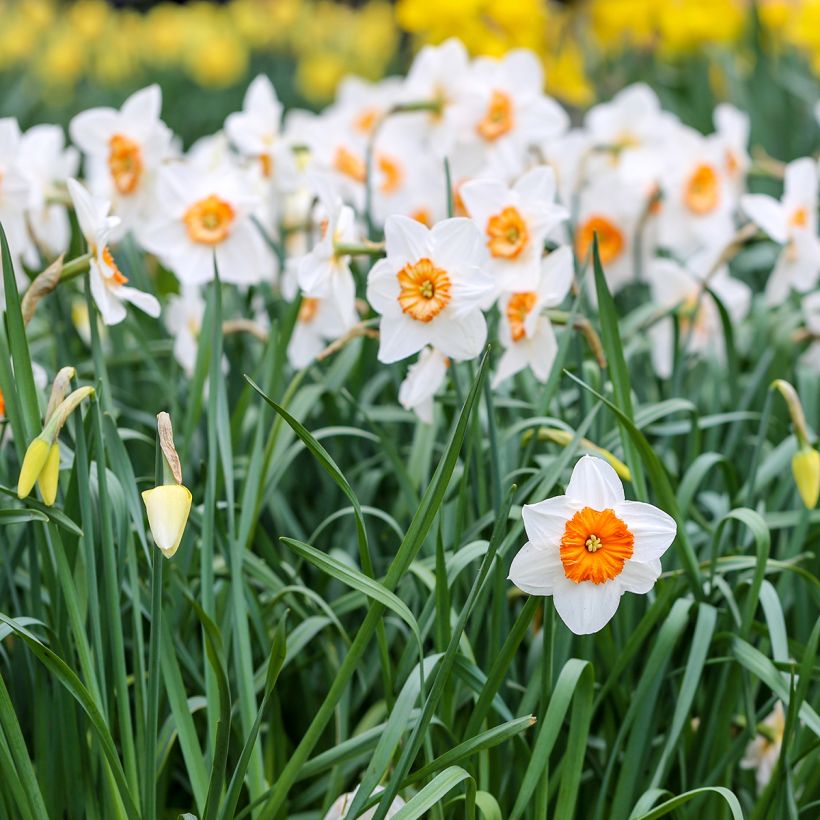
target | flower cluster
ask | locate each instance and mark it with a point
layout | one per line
(485, 196)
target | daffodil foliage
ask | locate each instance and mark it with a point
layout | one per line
(439, 454)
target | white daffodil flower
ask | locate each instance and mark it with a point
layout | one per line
(588, 547)
(515, 108)
(14, 192)
(732, 128)
(255, 129)
(611, 210)
(441, 75)
(108, 284)
(124, 149)
(430, 288)
(763, 752)
(47, 163)
(338, 811)
(701, 331)
(515, 222)
(792, 222)
(323, 273)
(204, 215)
(168, 507)
(527, 336)
(423, 380)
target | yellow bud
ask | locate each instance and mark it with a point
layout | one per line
(33, 463)
(50, 475)
(168, 507)
(806, 471)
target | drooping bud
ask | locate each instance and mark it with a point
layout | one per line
(50, 475)
(806, 472)
(59, 388)
(33, 462)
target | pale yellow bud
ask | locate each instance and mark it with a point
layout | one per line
(806, 471)
(50, 475)
(168, 507)
(33, 463)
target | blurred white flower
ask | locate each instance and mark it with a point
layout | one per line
(429, 289)
(423, 380)
(588, 547)
(14, 192)
(515, 108)
(527, 336)
(338, 811)
(124, 149)
(792, 222)
(515, 222)
(441, 75)
(701, 331)
(732, 135)
(202, 217)
(763, 752)
(183, 319)
(108, 285)
(255, 129)
(47, 163)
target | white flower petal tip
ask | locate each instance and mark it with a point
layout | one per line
(595, 483)
(168, 508)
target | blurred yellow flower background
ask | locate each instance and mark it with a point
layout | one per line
(61, 45)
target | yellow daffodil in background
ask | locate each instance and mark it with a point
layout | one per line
(41, 463)
(169, 504)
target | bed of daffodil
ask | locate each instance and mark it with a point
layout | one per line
(439, 454)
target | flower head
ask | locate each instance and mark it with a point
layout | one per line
(763, 752)
(108, 284)
(588, 547)
(429, 289)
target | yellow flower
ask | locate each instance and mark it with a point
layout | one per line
(50, 475)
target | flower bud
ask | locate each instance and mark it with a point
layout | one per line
(33, 463)
(806, 471)
(168, 507)
(50, 475)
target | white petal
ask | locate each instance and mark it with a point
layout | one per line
(594, 483)
(557, 270)
(653, 529)
(406, 239)
(535, 571)
(146, 302)
(383, 289)
(639, 577)
(545, 521)
(767, 213)
(460, 337)
(400, 337)
(586, 607)
(168, 507)
(457, 244)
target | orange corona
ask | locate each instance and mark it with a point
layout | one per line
(348, 164)
(125, 163)
(424, 290)
(702, 192)
(118, 278)
(498, 119)
(209, 220)
(799, 218)
(308, 309)
(610, 239)
(518, 308)
(595, 545)
(507, 234)
(392, 174)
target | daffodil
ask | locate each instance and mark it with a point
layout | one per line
(108, 284)
(14, 192)
(515, 222)
(169, 504)
(526, 334)
(792, 222)
(763, 752)
(124, 149)
(588, 547)
(430, 288)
